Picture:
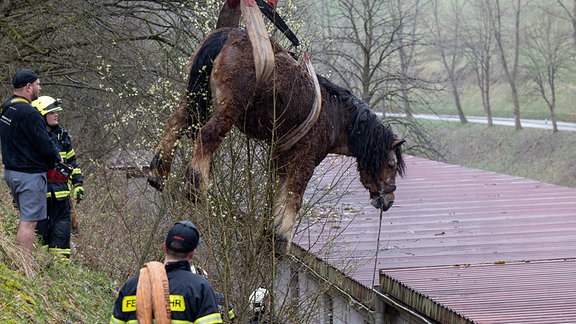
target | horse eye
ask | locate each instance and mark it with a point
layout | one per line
(392, 163)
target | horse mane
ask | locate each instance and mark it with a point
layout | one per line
(369, 139)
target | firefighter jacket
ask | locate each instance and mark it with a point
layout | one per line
(192, 299)
(221, 300)
(26, 146)
(63, 142)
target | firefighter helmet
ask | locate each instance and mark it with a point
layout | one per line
(257, 300)
(199, 271)
(46, 104)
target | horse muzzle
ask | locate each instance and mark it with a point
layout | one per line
(385, 199)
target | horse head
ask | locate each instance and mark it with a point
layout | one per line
(382, 183)
(378, 153)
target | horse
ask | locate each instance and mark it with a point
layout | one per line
(222, 77)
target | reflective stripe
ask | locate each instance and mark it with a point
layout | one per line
(114, 320)
(209, 319)
(18, 100)
(69, 154)
(52, 106)
(58, 194)
(63, 254)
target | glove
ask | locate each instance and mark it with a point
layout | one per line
(78, 193)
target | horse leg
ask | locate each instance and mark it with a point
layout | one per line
(287, 203)
(175, 128)
(209, 139)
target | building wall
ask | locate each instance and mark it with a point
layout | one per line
(316, 300)
(319, 301)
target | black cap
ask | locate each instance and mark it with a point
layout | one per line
(183, 237)
(23, 77)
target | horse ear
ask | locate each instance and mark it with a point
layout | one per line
(398, 142)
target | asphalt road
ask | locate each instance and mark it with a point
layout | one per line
(527, 123)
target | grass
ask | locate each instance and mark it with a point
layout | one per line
(54, 292)
(46, 290)
(532, 106)
(531, 153)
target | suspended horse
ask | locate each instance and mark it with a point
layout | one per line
(277, 110)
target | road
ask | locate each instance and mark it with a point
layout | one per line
(527, 123)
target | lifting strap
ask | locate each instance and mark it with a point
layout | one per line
(153, 295)
(261, 46)
(297, 133)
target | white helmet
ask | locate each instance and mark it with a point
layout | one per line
(257, 298)
(199, 271)
(46, 105)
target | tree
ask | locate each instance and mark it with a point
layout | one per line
(510, 72)
(549, 51)
(110, 61)
(479, 46)
(408, 15)
(370, 48)
(450, 50)
(361, 35)
(570, 12)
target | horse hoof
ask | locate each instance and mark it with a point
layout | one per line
(154, 183)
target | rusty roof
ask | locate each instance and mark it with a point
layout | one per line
(458, 242)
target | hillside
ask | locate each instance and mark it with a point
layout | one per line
(530, 153)
(49, 291)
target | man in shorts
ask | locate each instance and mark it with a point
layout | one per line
(27, 154)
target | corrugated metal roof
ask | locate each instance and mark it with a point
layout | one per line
(532, 292)
(490, 247)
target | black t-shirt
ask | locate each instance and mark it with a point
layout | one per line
(26, 145)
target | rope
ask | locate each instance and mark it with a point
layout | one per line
(297, 133)
(377, 249)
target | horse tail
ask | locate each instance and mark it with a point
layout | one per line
(198, 95)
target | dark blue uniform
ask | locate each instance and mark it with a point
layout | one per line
(192, 298)
(55, 230)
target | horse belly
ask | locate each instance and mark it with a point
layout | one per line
(263, 123)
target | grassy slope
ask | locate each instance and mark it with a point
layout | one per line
(530, 153)
(47, 291)
(57, 293)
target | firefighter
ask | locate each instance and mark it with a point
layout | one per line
(63, 180)
(191, 296)
(220, 299)
(26, 154)
(260, 306)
